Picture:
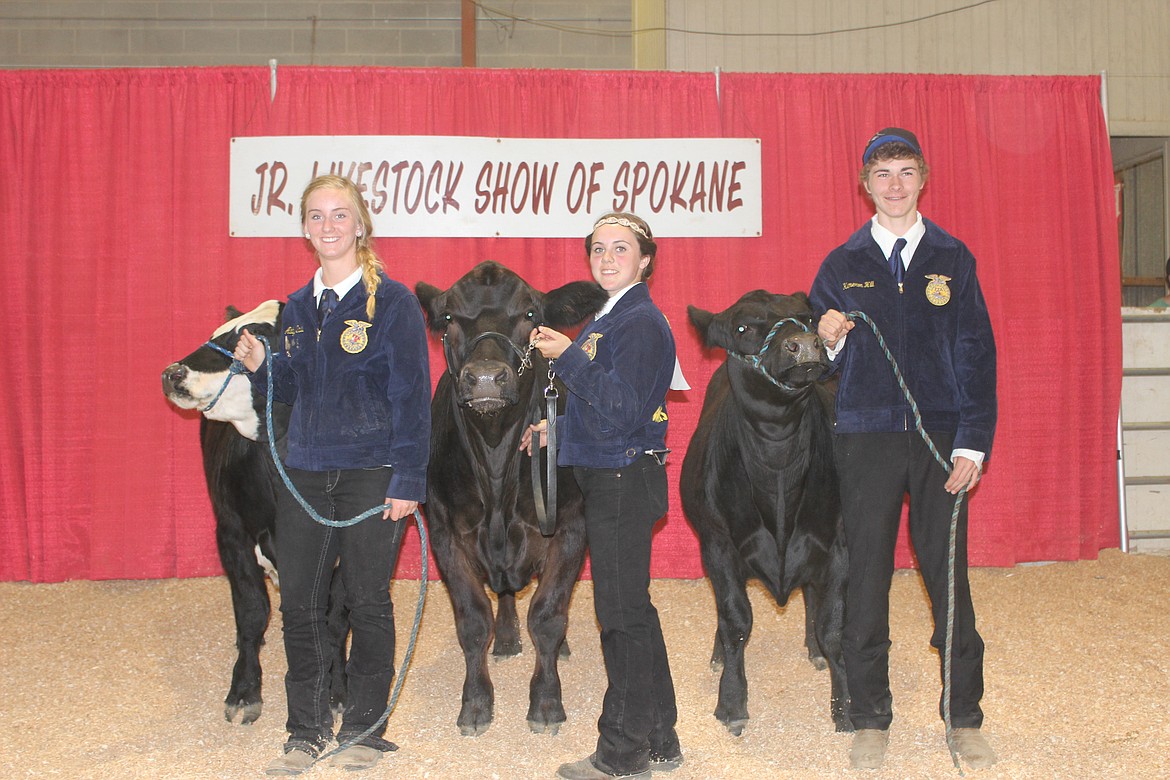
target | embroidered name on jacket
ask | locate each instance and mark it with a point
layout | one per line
(851, 285)
(292, 339)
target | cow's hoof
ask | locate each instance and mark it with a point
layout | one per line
(474, 731)
(248, 712)
(819, 663)
(546, 715)
(475, 721)
(544, 728)
(506, 649)
(733, 717)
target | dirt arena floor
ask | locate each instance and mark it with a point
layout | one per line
(126, 680)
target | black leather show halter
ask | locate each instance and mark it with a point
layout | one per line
(546, 507)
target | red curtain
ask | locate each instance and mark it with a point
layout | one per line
(120, 262)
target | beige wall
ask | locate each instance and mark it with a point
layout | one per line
(407, 33)
(1128, 40)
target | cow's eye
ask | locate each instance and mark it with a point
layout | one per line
(530, 315)
(742, 329)
(448, 319)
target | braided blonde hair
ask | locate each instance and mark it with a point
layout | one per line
(367, 258)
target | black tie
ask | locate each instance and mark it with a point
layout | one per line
(325, 306)
(896, 267)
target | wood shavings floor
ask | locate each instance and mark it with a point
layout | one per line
(126, 680)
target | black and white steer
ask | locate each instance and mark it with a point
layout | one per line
(242, 483)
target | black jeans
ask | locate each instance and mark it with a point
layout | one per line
(366, 554)
(877, 470)
(639, 712)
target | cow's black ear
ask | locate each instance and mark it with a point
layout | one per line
(714, 327)
(567, 305)
(701, 319)
(427, 294)
(230, 313)
(802, 298)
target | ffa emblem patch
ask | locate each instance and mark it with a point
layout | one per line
(354, 338)
(659, 415)
(590, 345)
(937, 291)
(292, 338)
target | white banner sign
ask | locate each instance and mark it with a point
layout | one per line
(512, 187)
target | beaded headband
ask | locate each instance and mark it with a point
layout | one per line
(634, 226)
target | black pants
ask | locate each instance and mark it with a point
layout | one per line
(639, 713)
(877, 470)
(366, 554)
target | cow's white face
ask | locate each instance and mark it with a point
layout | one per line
(196, 380)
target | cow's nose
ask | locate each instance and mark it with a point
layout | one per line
(803, 347)
(484, 374)
(173, 375)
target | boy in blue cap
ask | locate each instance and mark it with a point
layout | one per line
(918, 285)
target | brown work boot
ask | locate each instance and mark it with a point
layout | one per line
(293, 762)
(585, 769)
(663, 763)
(971, 746)
(355, 758)
(868, 749)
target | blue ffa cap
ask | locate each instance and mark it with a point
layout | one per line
(885, 136)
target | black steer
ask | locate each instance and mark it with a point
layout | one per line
(242, 482)
(759, 486)
(479, 509)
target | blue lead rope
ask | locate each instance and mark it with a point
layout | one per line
(949, 649)
(756, 361)
(422, 535)
(235, 368)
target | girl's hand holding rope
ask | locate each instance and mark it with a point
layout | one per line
(249, 351)
(398, 508)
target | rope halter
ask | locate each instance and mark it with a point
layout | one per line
(756, 361)
(236, 367)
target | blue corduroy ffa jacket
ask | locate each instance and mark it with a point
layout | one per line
(361, 394)
(938, 330)
(617, 372)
